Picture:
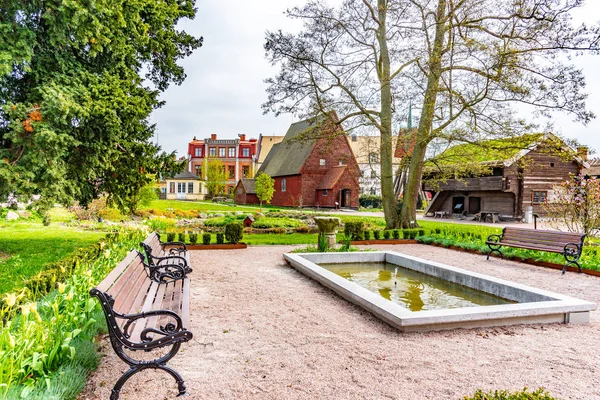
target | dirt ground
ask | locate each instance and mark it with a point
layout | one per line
(264, 331)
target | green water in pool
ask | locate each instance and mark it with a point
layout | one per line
(411, 289)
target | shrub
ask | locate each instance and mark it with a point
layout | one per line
(234, 232)
(46, 219)
(396, 234)
(302, 229)
(193, 238)
(405, 234)
(386, 234)
(354, 230)
(376, 234)
(170, 236)
(220, 238)
(524, 394)
(370, 200)
(181, 237)
(421, 232)
(367, 235)
(206, 238)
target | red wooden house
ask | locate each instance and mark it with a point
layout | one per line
(313, 166)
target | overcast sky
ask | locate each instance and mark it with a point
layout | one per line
(224, 88)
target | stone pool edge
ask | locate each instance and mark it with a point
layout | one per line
(541, 307)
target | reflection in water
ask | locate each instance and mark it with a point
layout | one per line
(413, 290)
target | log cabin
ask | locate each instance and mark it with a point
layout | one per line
(504, 176)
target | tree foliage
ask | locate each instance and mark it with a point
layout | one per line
(466, 62)
(74, 104)
(575, 205)
(216, 177)
(265, 188)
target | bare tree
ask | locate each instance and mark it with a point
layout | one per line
(465, 61)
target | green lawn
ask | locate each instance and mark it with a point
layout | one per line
(26, 246)
(204, 206)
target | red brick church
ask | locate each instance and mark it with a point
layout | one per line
(313, 166)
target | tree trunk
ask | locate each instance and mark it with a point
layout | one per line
(388, 195)
(412, 187)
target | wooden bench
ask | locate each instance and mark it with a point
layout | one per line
(568, 244)
(158, 252)
(145, 311)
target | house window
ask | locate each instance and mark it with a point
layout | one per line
(324, 192)
(221, 151)
(322, 162)
(373, 174)
(245, 171)
(171, 187)
(341, 163)
(212, 152)
(246, 152)
(373, 158)
(552, 164)
(231, 152)
(539, 197)
(198, 171)
(180, 187)
(240, 191)
(190, 187)
(283, 185)
(231, 170)
(198, 151)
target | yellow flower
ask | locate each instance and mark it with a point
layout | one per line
(33, 307)
(70, 295)
(61, 288)
(107, 253)
(11, 341)
(25, 310)
(10, 299)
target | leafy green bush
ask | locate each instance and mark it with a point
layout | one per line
(234, 232)
(193, 238)
(377, 234)
(206, 238)
(170, 236)
(386, 234)
(181, 237)
(370, 200)
(367, 235)
(396, 234)
(220, 238)
(524, 394)
(354, 230)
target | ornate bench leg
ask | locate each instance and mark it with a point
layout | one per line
(177, 377)
(494, 249)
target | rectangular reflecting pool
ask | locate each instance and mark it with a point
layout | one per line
(410, 289)
(413, 294)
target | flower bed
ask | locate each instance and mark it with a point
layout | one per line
(47, 328)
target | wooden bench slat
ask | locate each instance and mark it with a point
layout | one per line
(116, 272)
(123, 285)
(138, 283)
(185, 304)
(149, 298)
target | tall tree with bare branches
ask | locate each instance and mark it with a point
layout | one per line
(465, 61)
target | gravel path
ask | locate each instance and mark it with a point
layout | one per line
(264, 331)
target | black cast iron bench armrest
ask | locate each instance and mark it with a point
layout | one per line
(164, 244)
(164, 273)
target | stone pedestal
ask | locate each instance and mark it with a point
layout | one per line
(327, 228)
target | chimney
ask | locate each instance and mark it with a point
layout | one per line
(195, 138)
(583, 152)
(242, 136)
(213, 136)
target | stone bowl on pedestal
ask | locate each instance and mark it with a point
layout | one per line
(328, 228)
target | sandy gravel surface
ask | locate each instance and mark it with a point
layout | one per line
(264, 331)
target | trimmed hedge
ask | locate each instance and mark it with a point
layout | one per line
(354, 230)
(524, 394)
(234, 232)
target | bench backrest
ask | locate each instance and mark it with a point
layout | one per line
(153, 242)
(127, 284)
(541, 238)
